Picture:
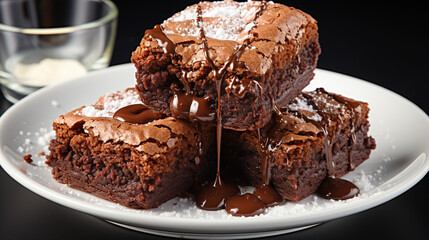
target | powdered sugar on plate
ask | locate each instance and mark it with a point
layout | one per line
(186, 208)
(35, 141)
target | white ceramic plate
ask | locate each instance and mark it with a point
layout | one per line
(400, 128)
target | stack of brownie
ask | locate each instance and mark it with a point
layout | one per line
(227, 71)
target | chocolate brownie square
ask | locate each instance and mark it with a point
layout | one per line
(318, 135)
(137, 165)
(259, 53)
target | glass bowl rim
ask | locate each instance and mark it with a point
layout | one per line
(111, 15)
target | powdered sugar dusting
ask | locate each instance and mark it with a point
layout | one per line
(329, 104)
(300, 104)
(186, 208)
(111, 103)
(223, 20)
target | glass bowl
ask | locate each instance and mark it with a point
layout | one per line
(43, 42)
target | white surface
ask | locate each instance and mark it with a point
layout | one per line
(400, 128)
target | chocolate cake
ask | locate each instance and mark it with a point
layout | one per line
(318, 135)
(242, 56)
(137, 165)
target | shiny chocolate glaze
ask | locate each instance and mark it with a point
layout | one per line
(337, 189)
(137, 113)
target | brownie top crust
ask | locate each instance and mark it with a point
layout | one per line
(227, 24)
(151, 138)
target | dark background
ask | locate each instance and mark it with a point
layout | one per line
(384, 44)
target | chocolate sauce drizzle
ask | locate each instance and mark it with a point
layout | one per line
(137, 113)
(247, 204)
(158, 34)
(219, 194)
(332, 187)
(351, 106)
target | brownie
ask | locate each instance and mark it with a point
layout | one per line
(318, 135)
(136, 165)
(260, 53)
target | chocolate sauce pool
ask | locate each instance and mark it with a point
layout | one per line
(219, 194)
(268, 195)
(337, 189)
(245, 205)
(214, 195)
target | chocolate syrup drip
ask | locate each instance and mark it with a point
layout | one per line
(137, 113)
(245, 205)
(352, 148)
(327, 150)
(184, 81)
(331, 187)
(269, 140)
(158, 34)
(189, 106)
(337, 189)
(351, 106)
(327, 140)
(213, 196)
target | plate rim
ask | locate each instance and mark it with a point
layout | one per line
(206, 225)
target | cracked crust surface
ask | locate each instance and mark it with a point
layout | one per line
(277, 64)
(137, 165)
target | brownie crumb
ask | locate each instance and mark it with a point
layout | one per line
(28, 158)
